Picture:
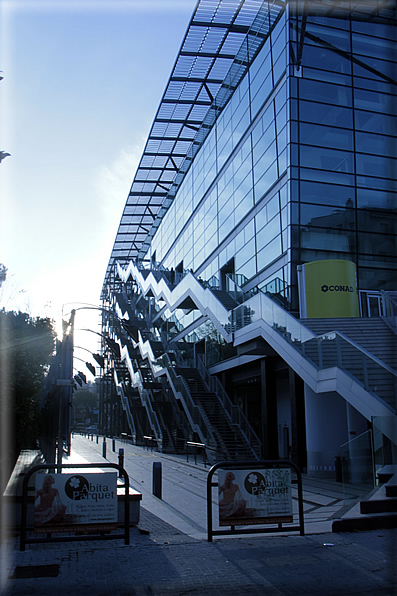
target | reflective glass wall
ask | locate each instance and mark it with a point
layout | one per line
(344, 149)
(300, 165)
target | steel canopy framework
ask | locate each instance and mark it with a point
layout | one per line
(211, 46)
(221, 41)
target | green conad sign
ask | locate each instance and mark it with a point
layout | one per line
(330, 289)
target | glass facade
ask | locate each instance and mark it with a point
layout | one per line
(299, 166)
(288, 156)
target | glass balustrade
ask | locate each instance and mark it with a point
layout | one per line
(357, 464)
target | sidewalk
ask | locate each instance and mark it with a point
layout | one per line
(184, 497)
(169, 553)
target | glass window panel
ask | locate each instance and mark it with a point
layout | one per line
(375, 165)
(226, 227)
(284, 195)
(281, 118)
(269, 253)
(249, 230)
(327, 216)
(328, 194)
(263, 143)
(325, 92)
(248, 268)
(381, 66)
(326, 75)
(376, 220)
(285, 235)
(372, 46)
(323, 58)
(372, 122)
(266, 181)
(328, 239)
(247, 252)
(265, 161)
(285, 217)
(383, 31)
(270, 231)
(261, 95)
(282, 139)
(333, 138)
(381, 183)
(244, 206)
(328, 21)
(279, 43)
(272, 207)
(336, 37)
(378, 144)
(373, 100)
(316, 255)
(261, 218)
(326, 159)
(377, 244)
(283, 161)
(367, 197)
(263, 58)
(375, 85)
(325, 114)
(281, 98)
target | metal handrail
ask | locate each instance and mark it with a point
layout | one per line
(234, 413)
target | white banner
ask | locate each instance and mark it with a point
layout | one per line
(65, 500)
(254, 496)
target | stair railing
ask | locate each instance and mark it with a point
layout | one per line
(234, 413)
(357, 461)
(159, 366)
(136, 380)
(390, 310)
(260, 308)
(324, 351)
(125, 405)
(193, 412)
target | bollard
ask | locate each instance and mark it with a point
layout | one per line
(114, 445)
(121, 460)
(104, 448)
(157, 479)
(97, 439)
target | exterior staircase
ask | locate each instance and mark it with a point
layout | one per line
(376, 511)
(225, 298)
(231, 443)
(371, 333)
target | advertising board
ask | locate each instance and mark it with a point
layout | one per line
(64, 502)
(248, 497)
(328, 288)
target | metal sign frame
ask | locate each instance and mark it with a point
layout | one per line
(97, 536)
(250, 465)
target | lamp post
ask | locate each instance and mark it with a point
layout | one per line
(61, 383)
(65, 384)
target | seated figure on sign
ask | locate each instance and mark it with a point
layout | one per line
(232, 503)
(50, 508)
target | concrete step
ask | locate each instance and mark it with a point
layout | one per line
(379, 503)
(375, 512)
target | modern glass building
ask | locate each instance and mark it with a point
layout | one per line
(270, 168)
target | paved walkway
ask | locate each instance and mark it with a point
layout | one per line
(169, 553)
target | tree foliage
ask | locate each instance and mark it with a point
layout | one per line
(3, 274)
(26, 346)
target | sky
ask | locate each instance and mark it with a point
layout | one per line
(82, 84)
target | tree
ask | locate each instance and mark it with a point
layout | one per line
(26, 346)
(85, 403)
(3, 274)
